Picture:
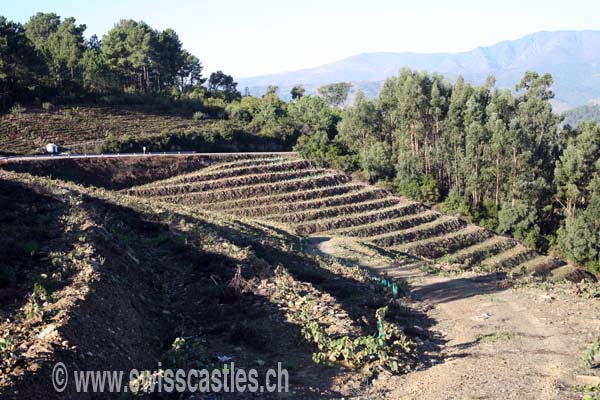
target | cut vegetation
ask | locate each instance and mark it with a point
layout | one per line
(214, 255)
(290, 193)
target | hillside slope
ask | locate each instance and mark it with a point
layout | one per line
(289, 192)
(268, 259)
(589, 112)
(121, 129)
(570, 56)
(102, 281)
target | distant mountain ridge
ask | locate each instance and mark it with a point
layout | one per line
(572, 57)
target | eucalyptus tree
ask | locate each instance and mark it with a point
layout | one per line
(577, 167)
(579, 238)
(335, 93)
(454, 127)
(360, 124)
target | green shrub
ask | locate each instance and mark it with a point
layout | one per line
(318, 148)
(455, 204)
(409, 187)
(7, 343)
(487, 215)
(187, 352)
(17, 109)
(579, 238)
(520, 222)
(47, 106)
(376, 161)
(215, 107)
(198, 116)
(430, 192)
(390, 349)
(33, 306)
(424, 188)
(587, 360)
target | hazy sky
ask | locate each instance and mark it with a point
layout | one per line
(254, 37)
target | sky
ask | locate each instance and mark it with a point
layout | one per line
(256, 37)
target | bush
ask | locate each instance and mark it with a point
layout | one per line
(487, 215)
(409, 187)
(17, 109)
(215, 107)
(455, 204)
(198, 116)
(318, 148)
(520, 222)
(245, 109)
(376, 161)
(579, 238)
(430, 193)
(47, 106)
(424, 188)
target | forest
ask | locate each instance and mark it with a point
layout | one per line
(499, 157)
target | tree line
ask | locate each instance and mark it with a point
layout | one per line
(498, 157)
(49, 59)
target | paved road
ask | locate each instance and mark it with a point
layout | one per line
(120, 155)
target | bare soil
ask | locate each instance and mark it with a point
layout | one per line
(118, 173)
(140, 273)
(497, 341)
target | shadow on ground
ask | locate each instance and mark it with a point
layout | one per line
(425, 292)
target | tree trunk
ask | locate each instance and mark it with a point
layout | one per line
(497, 180)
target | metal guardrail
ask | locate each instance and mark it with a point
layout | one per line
(122, 155)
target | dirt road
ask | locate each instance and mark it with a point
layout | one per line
(496, 342)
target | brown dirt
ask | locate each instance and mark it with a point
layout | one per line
(167, 274)
(142, 275)
(118, 173)
(498, 342)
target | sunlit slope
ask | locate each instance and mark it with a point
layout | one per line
(291, 192)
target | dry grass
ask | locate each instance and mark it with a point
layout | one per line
(335, 211)
(322, 225)
(428, 230)
(263, 189)
(436, 247)
(336, 200)
(509, 258)
(282, 165)
(478, 252)
(230, 182)
(391, 225)
(254, 206)
(539, 265)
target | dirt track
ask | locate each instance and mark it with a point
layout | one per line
(496, 342)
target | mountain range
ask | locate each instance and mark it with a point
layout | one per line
(572, 57)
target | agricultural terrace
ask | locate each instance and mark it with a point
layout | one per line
(121, 129)
(291, 193)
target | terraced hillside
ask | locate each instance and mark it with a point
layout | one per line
(291, 193)
(214, 253)
(101, 281)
